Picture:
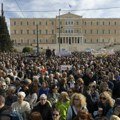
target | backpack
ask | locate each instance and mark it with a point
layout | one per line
(13, 116)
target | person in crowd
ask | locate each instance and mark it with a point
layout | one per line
(53, 52)
(83, 115)
(71, 81)
(53, 95)
(25, 86)
(92, 97)
(79, 86)
(103, 69)
(105, 104)
(44, 107)
(4, 109)
(63, 86)
(11, 95)
(63, 104)
(3, 88)
(104, 87)
(51, 80)
(70, 92)
(33, 95)
(21, 106)
(114, 117)
(44, 88)
(56, 114)
(35, 116)
(78, 102)
(115, 110)
(78, 74)
(48, 52)
(89, 77)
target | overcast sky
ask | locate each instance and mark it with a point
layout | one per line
(50, 8)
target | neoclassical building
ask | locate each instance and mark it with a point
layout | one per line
(70, 28)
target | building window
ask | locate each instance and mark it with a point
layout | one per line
(91, 31)
(14, 31)
(77, 23)
(39, 31)
(85, 41)
(85, 31)
(103, 31)
(39, 40)
(39, 23)
(34, 32)
(46, 32)
(103, 23)
(69, 22)
(91, 23)
(52, 41)
(34, 41)
(85, 23)
(27, 23)
(28, 41)
(21, 31)
(27, 31)
(21, 23)
(97, 31)
(97, 40)
(66, 22)
(33, 23)
(109, 31)
(52, 31)
(115, 23)
(46, 40)
(97, 23)
(109, 23)
(91, 40)
(21, 41)
(103, 40)
(15, 23)
(52, 23)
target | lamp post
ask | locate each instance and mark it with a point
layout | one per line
(59, 31)
(37, 39)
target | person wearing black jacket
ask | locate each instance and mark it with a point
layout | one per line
(4, 110)
(44, 108)
(48, 52)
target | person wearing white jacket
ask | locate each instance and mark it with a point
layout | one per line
(21, 106)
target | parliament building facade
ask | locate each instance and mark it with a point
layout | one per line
(70, 28)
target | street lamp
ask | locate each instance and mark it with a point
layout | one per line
(59, 31)
(37, 39)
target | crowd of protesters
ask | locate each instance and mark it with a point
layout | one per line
(38, 89)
